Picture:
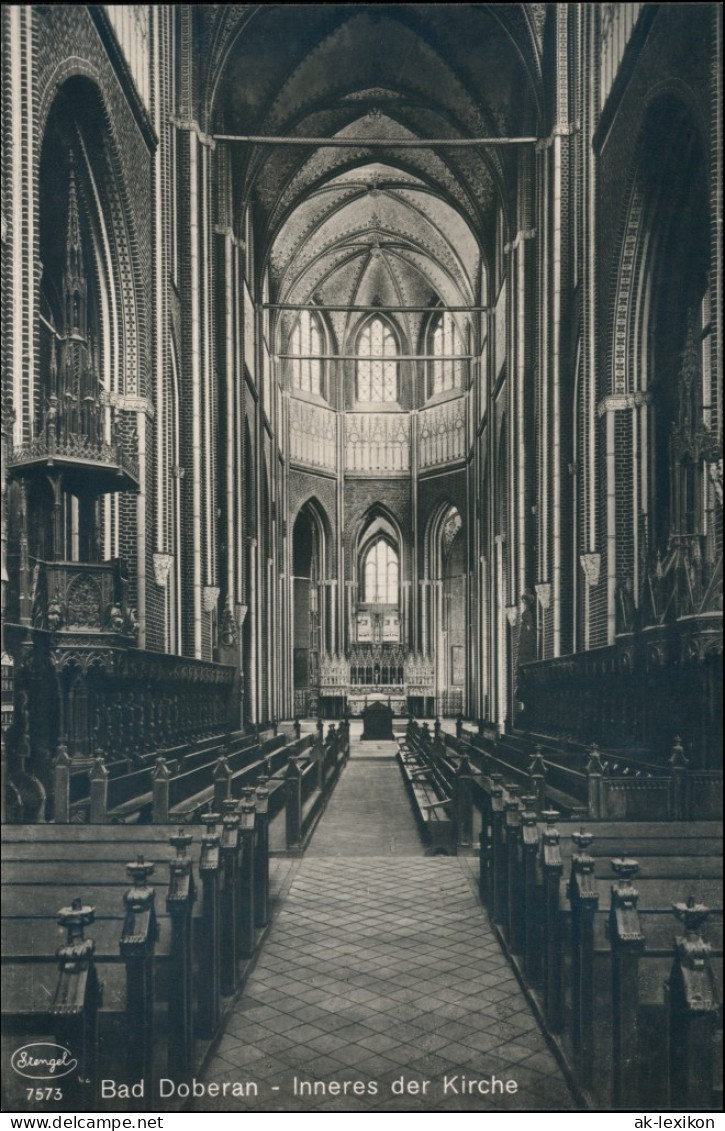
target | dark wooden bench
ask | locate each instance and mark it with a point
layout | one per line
(585, 909)
(430, 792)
(45, 867)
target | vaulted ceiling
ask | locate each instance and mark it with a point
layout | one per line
(365, 225)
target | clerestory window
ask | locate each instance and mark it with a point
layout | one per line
(377, 365)
(445, 345)
(306, 348)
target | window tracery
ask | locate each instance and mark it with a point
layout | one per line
(306, 348)
(445, 344)
(381, 571)
(377, 366)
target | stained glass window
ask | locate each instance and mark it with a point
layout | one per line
(306, 348)
(377, 369)
(446, 344)
(382, 573)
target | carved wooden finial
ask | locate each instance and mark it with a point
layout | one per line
(625, 869)
(692, 915)
(583, 840)
(75, 919)
(139, 870)
(181, 842)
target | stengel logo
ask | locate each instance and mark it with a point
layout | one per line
(42, 1061)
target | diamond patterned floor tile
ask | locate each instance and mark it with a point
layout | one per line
(380, 964)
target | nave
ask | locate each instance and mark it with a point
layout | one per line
(381, 965)
(361, 357)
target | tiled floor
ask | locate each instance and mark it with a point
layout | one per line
(381, 972)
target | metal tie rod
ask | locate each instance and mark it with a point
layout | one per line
(346, 308)
(379, 357)
(380, 142)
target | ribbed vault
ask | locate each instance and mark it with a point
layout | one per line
(361, 225)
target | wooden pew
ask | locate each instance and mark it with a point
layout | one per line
(309, 779)
(432, 803)
(585, 909)
(438, 780)
(162, 1000)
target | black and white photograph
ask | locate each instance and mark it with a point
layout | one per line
(362, 533)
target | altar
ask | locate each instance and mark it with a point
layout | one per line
(377, 722)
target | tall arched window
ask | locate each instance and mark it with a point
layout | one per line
(377, 367)
(381, 571)
(306, 348)
(445, 344)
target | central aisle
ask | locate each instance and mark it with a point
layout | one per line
(381, 965)
(369, 813)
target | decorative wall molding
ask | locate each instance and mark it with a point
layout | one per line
(617, 402)
(128, 403)
(377, 442)
(312, 434)
(162, 566)
(188, 125)
(591, 565)
(563, 129)
(442, 433)
(543, 594)
(211, 598)
(528, 234)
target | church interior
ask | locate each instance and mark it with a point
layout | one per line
(362, 555)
